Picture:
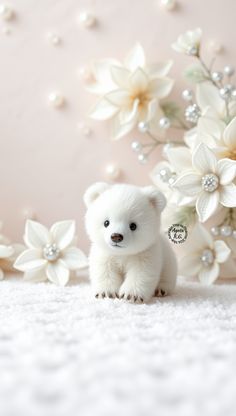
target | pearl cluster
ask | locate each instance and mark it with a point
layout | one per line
(167, 176)
(227, 91)
(224, 231)
(210, 182)
(207, 257)
(192, 113)
(51, 252)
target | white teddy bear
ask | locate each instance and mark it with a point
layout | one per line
(129, 257)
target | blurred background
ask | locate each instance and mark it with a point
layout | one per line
(50, 150)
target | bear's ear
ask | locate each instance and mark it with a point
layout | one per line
(157, 199)
(94, 191)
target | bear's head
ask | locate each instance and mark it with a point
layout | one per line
(123, 219)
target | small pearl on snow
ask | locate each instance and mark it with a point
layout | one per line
(87, 19)
(112, 171)
(56, 99)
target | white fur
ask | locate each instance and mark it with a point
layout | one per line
(143, 263)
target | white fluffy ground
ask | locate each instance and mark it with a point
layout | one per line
(64, 353)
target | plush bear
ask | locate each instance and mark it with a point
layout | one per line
(129, 256)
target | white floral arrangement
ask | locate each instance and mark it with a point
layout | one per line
(198, 173)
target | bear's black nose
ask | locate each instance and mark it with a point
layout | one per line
(117, 238)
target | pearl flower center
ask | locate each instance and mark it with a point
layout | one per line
(210, 182)
(207, 257)
(51, 252)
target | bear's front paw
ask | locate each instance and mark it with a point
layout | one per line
(132, 294)
(160, 293)
(106, 294)
(131, 297)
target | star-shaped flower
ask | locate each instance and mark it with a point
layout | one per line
(51, 253)
(130, 92)
(204, 256)
(211, 182)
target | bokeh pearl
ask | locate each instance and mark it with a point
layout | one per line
(216, 76)
(54, 39)
(6, 12)
(142, 158)
(87, 20)
(168, 4)
(143, 126)
(229, 70)
(136, 146)
(112, 171)
(85, 74)
(56, 99)
(164, 123)
(187, 95)
(226, 230)
(215, 231)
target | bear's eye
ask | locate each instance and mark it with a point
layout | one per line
(133, 226)
(106, 223)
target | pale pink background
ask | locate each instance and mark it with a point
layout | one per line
(45, 162)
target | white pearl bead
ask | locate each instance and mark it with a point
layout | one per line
(143, 126)
(168, 4)
(87, 20)
(164, 123)
(54, 39)
(112, 172)
(215, 47)
(142, 158)
(85, 129)
(229, 70)
(226, 230)
(85, 74)
(216, 76)
(136, 146)
(6, 12)
(187, 95)
(56, 100)
(215, 231)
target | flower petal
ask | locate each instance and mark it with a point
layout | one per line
(102, 74)
(160, 69)
(208, 96)
(74, 258)
(120, 129)
(127, 114)
(6, 251)
(228, 196)
(188, 183)
(63, 233)
(118, 98)
(190, 265)
(160, 87)
(135, 58)
(204, 160)
(222, 251)
(207, 204)
(29, 259)
(36, 235)
(208, 275)
(58, 273)
(120, 76)
(226, 169)
(230, 135)
(36, 275)
(138, 81)
(179, 157)
(103, 110)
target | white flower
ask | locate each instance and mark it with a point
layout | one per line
(8, 254)
(208, 97)
(211, 182)
(50, 254)
(189, 42)
(204, 256)
(130, 92)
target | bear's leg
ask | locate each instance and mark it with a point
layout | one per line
(141, 279)
(168, 276)
(106, 279)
